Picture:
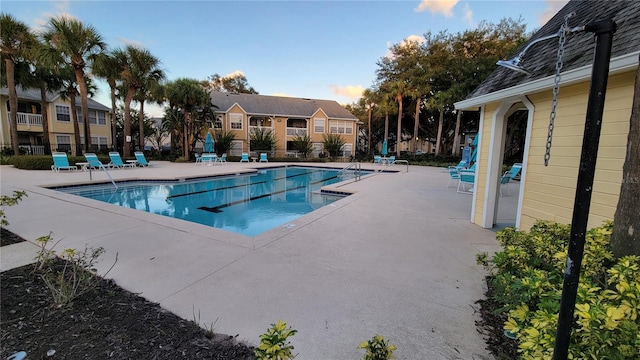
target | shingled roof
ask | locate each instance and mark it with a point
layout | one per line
(540, 60)
(34, 95)
(279, 106)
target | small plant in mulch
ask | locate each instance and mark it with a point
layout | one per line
(103, 322)
(377, 349)
(274, 344)
(526, 286)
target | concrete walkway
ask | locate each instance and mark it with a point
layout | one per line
(397, 258)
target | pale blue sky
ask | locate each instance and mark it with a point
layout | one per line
(312, 49)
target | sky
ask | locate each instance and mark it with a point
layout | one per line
(310, 49)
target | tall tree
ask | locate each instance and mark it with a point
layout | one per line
(368, 97)
(46, 80)
(106, 66)
(625, 239)
(188, 96)
(233, 83)
(140, 68)
(75, 44)
(69, 90)
(16, 41)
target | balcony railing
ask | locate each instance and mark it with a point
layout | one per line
(32, 149)
(251, 127)
(296, 131)
(28, 119)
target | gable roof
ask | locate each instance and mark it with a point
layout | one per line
(34, 95)
(254, 104)
(540, 60)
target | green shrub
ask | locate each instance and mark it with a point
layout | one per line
(6, 200)
(44, 162)
(262, 139)
(274, 344)
(377, 349)
(528, 276)
(303, 145)
(333, 144)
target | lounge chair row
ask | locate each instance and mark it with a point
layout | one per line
(467, 177)
(61, 161)
(382, 160)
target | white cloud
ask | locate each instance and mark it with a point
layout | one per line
(281, 95)
(353, 92)
(134, 43)
(468, 14)
(409, 39)
(61, 9)
(443, 7)
(234, 74)
(552, 8)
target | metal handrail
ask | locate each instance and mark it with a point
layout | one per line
(357, 169)
(106, 172)
(393, 163)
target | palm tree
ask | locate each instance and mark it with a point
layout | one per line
(71, 42)
(139, 70)
(15, 43)
(46, 79)
(70, 91)
(189, 96)
(398, 88)
(368, 97)
(151, 90)
(106, 66)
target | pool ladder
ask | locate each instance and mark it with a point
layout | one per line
(106, 172)
(356, 167)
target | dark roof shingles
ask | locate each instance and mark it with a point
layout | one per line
(276, 105)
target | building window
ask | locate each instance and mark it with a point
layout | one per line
(318, 148)
(79, 115)
(63, 143)
(235, 121)
(99, 142)
(63, 113)
(318, 125)
(341, 127)
(236, 148)
(347, 150)
(102, 118)
(218, 123)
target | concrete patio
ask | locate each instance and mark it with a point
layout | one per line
(396, 258)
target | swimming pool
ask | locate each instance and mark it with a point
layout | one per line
(247, 204)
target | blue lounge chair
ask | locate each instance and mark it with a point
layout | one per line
(198, 159)
(454, 175)
(244, 157)
(61, 162)
(94, 162)
(508, 176)
(462, 164)
(263, 157)
(223, 158)
(377, 159)
(142, 161)
(116, 161)
(391, 160)
(467, 177)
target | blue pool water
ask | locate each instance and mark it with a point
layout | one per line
(245, 204)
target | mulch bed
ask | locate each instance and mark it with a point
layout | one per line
(491, 326)
(106, 323)
(8, 238)
(112, 323)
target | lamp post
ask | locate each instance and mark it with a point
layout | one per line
(604, 30)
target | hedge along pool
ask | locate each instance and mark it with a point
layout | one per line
(249, 204)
